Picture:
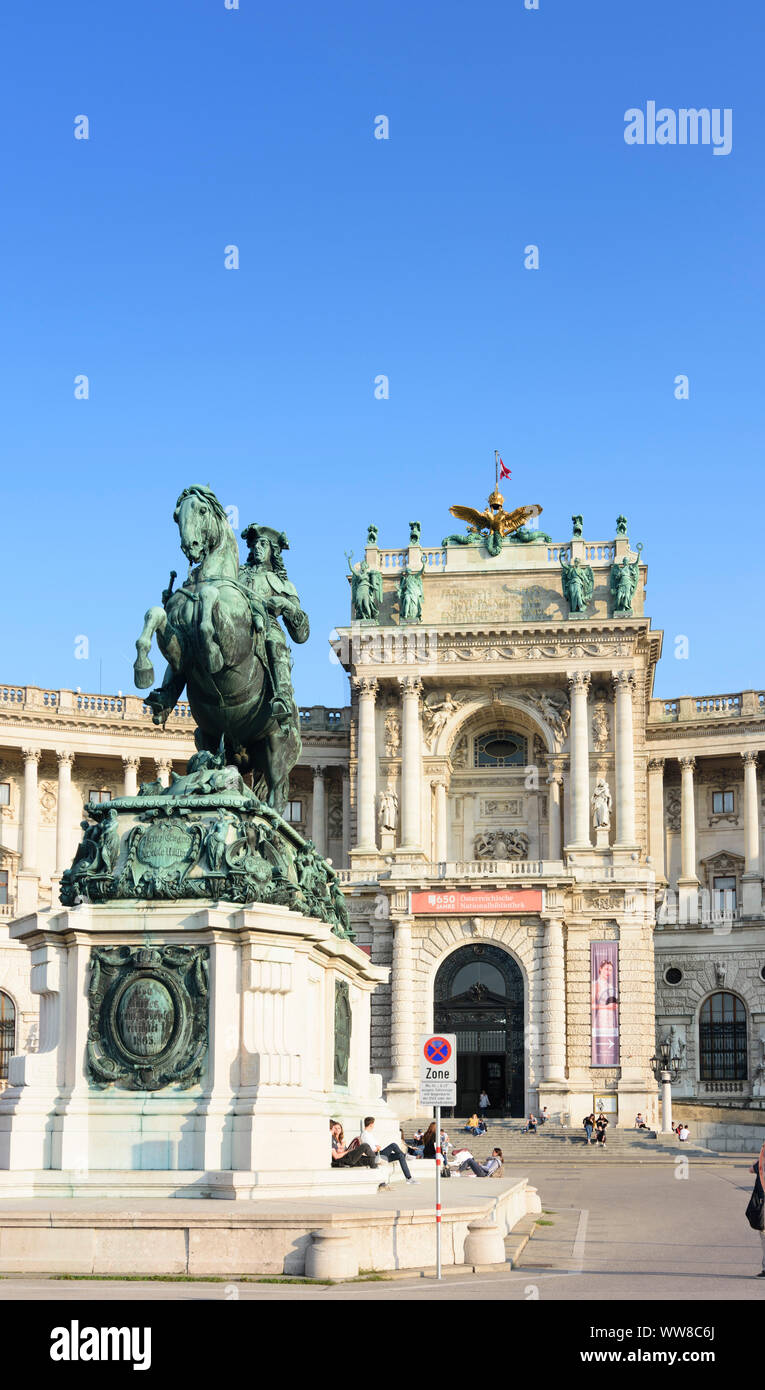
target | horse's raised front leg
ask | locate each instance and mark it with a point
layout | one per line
(143, 671)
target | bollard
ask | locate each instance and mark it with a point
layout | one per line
(484, 1244)
(331, 1255)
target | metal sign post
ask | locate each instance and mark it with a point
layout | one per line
(438, 1086)
(438, 1191)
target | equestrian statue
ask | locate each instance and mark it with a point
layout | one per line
(221, 637)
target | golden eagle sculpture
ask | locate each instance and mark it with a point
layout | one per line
(494, 523)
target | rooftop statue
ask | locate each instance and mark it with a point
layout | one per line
(366, 589)
(624, 581)
(411, 595)
(221, 637)
(493, 524)
(578, 585)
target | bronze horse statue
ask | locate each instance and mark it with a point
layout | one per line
(212, 632)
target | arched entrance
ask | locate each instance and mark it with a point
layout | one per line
(478, 995)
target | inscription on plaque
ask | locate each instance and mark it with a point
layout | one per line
(145, 1018)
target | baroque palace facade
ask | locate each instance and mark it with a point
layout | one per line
(556, 866)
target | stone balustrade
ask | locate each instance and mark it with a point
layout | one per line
(687, 708)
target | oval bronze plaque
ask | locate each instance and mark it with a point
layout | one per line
(145, 1017)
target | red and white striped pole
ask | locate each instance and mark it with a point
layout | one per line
(438, 1191)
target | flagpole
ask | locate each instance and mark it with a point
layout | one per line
(496, 470)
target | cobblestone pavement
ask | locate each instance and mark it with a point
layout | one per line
(620, 1232)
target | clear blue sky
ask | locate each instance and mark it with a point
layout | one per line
(358, 257)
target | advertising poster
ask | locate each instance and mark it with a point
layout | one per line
(604, 983)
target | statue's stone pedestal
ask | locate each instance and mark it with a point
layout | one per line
(601, 837)
(225, 1027)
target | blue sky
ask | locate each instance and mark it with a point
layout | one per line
(255, 127)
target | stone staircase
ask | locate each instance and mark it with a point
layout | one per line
(555, 1143)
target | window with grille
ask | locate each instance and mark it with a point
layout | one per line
(7, 1033)
(722, 803)
(722, 1038)
(294, 811)
(499, 749)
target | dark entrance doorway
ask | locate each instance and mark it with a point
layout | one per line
(479, 996)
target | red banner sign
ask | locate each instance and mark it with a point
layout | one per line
(477, 903)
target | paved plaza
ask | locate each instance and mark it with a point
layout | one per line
(622, 1232)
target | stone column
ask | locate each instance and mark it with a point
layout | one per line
(319, 811)
(163, 767)
(411, 763)
(367, 765)
(401, 1088)
(130, 774)
(554, 783)
(752, 881)
(64, 811)
(442, 822)
(579, 684)
(346, 775)
(31, 758)
(688, 883)
(656, 834)
(624, 682)
(554, 987)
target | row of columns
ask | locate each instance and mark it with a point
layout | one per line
(30, 804)
(319, 810)
(688, 849)
(411, 766)
(624, 760)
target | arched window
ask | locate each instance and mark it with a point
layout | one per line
(499, 748)
(722, 1038)
(7, 1033)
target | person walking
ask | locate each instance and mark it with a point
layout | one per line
(601, 1125)
(755, 1212)
(483, 1104)
(589, 1125)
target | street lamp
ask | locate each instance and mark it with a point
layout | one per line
(666, 1068)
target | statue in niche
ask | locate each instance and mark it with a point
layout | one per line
(410, 595)
(600, 728)
(624, 581)
(459, 753)
(392, 733)
(366, 589)
(578, 585)
(387, 814)
(601, 805)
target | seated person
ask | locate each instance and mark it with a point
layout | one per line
(391, 1152)
(544, 1117)
(472, 1125)
(492, 1167)
(360, 1156)
(684, 1134)
(640, 1122)
(483, 1128)
(531, 1127)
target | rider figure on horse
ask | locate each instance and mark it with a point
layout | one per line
(264, 576)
